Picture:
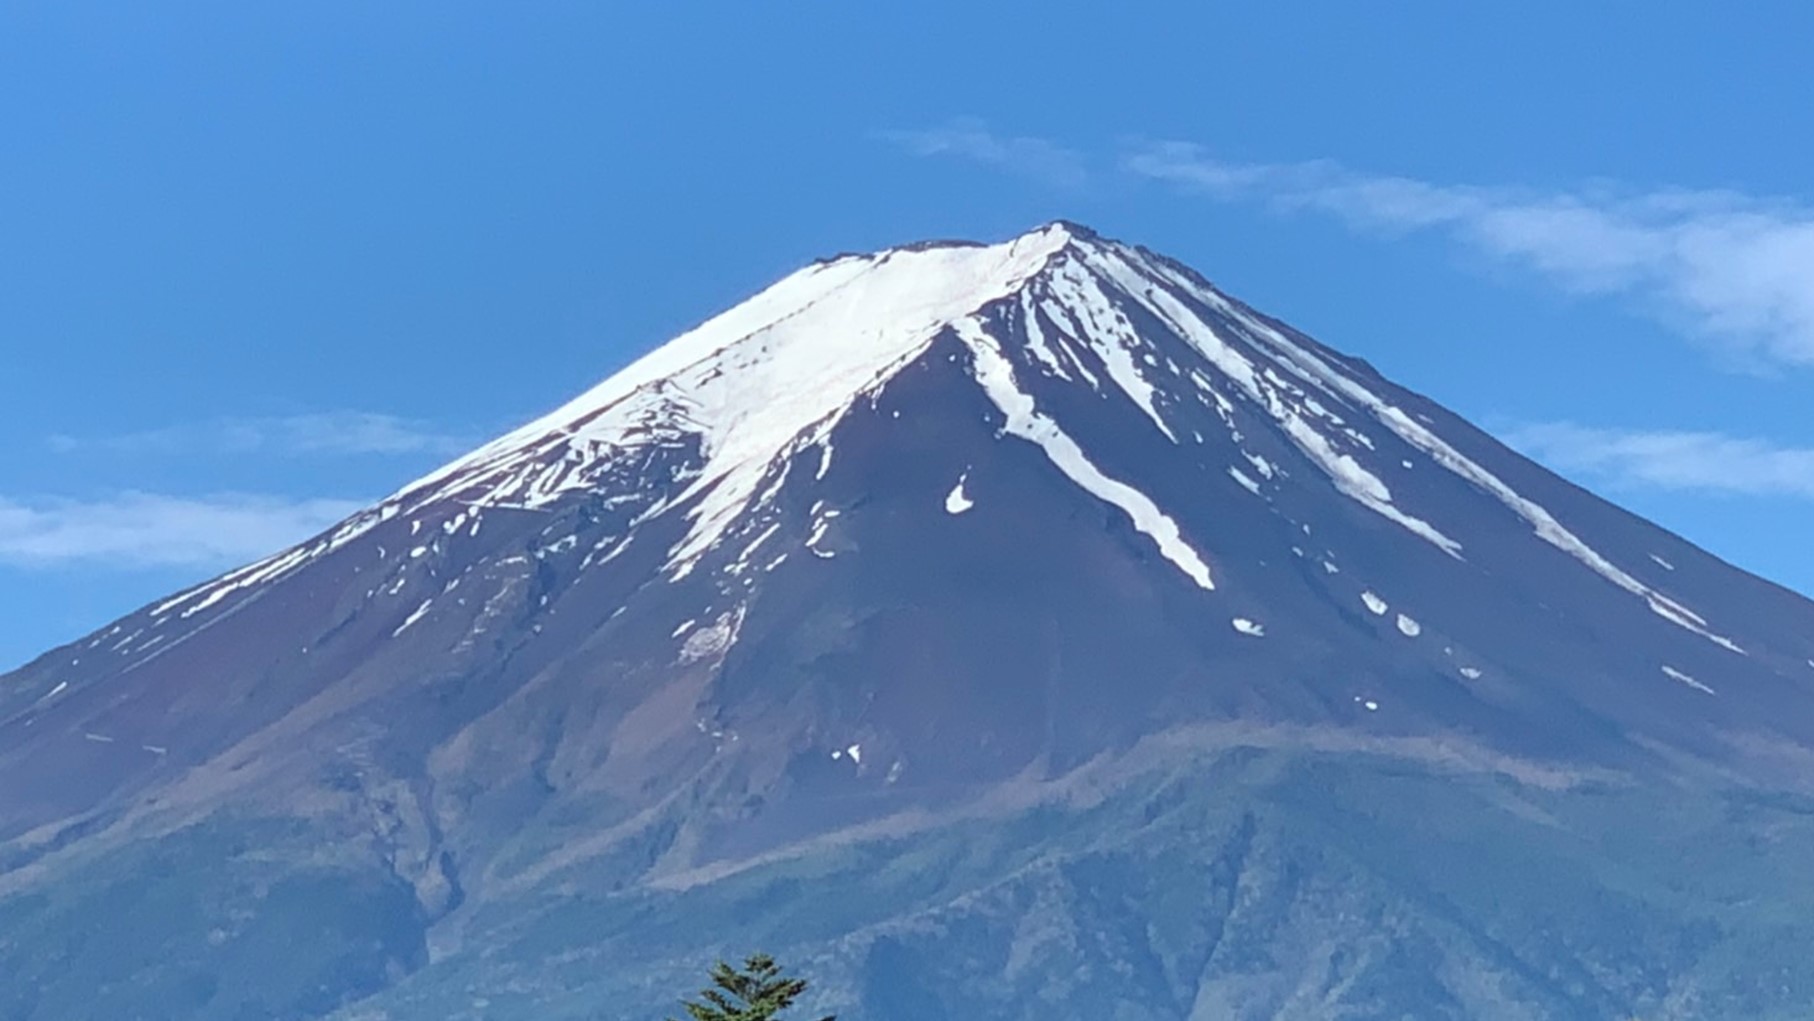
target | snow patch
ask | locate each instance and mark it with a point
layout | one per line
(821, 524)
(1109, 334)
(714, 640)
(1674, 674)
(1036, 339)
(1283, 403)
(762, 537)
(1314, 369)
(996, 375)
(1247, 483)
(957, 501)
(414, 616)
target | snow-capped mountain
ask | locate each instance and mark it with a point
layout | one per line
(912, 550)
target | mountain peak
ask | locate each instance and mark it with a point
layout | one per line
(1058, 306)
(1055, 233)
(1069, 228)
(763, 375)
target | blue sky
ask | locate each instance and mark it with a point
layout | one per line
(261, 262)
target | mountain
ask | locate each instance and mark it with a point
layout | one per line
(1018, 630)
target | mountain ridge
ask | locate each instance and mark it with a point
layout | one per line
(1048, 242)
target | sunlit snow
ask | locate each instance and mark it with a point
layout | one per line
(1264, 388)
(1677, 675)
(1110, 336)
(414, 616)
(714, 639)
(751, 380)
(1313, 368)
(957, 501)
(996, 375)
(761, 384)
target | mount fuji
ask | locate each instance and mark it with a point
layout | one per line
(1016, 630)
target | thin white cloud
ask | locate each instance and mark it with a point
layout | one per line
(1688, 461)
(1732, 267)
(971, 139)
(149, 529)
(321, 433)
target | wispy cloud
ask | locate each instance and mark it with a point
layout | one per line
(321, 433)
(1732, 267)
(1690, 461)
(148, 529)
(971, 139)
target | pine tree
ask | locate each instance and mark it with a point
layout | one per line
(755, 992)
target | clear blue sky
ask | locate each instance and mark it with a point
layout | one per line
(261, 261)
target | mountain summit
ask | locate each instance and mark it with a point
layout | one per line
(1016, 630)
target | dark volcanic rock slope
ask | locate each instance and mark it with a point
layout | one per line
(1029, 626)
